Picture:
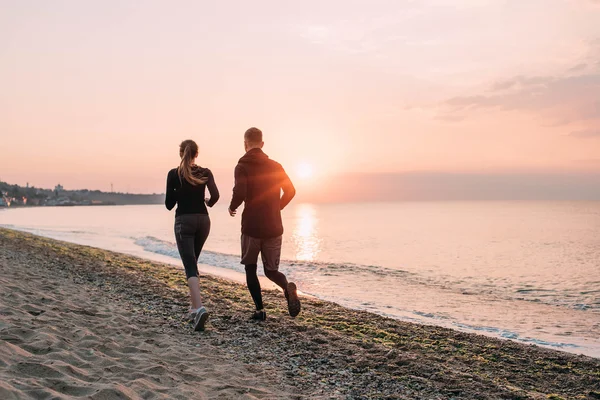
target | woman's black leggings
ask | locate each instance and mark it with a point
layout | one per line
(191, 232)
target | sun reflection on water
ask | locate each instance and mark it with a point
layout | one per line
(305, 237)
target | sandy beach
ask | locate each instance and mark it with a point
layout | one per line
(77, 321)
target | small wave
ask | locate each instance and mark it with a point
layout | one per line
(215, 259)
(507, 334)
(590, 291)
(498, 332)
(82, 232)
(535, 290)
(429, 315)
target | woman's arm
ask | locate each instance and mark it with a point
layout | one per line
(212, 189)
(171, 197)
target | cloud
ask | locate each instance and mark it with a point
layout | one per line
(578, 68)
(534, 94)
(519, 81)
(573, 96)
(586, 134)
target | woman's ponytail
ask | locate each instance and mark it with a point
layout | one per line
(188, 150)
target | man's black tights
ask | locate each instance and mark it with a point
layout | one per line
(254, 284)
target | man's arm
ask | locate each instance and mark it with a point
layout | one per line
(239, 189)
(289, 191)
(171, 197)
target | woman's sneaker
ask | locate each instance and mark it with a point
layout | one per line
(200, 319)
(260, 315)
(192, 315)
(291, 294)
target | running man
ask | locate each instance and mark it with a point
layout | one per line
(258, 184)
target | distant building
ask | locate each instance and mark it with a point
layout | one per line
(18, 201)
(58, 189)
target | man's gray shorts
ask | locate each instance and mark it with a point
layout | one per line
(269, 249)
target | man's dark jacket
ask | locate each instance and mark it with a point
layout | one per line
(258, 183)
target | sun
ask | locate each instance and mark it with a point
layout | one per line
(304, 170)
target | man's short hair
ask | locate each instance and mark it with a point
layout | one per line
(253, 136)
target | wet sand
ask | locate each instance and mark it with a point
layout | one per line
(77, 321)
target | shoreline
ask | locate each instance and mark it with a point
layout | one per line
(327, 352)
(561, 343)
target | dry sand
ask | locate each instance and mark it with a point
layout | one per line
(82, 322)
(64, 338)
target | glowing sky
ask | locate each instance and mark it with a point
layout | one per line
(102, 92)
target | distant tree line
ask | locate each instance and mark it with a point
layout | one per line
(38, 196)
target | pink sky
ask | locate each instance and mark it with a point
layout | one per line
(102, 92)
